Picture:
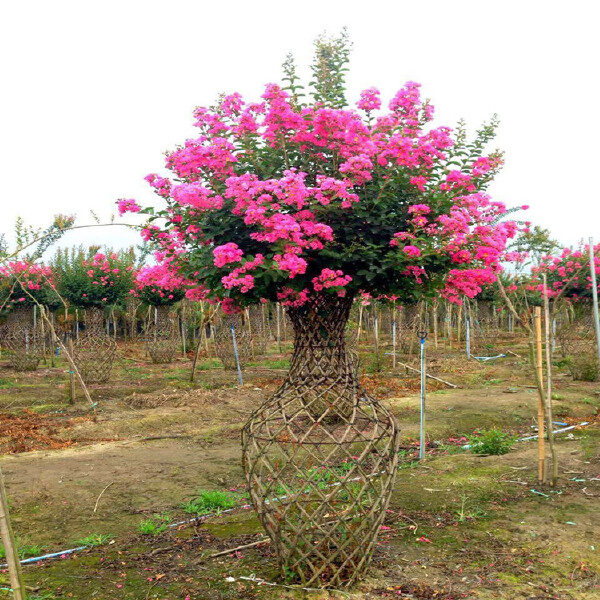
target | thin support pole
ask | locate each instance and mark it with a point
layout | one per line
(278, 318)
(376, 339)
(394, 341)
(237, 355)
(195, 361)
(8, 541)
(71, 374)
(595, 296)
(422, 442)
(549, 417)
(467, 335)
(537, 323)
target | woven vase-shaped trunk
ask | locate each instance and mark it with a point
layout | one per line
(23, 339)
(224, 341)
(577, 344)
(162, 338)
(94, 351)
(320, 455)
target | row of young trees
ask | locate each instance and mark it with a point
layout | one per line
(86, 278)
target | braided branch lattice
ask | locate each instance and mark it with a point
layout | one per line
(94, 352)
(23, 339)
(320, 455)
(577, 344)
(224, 341)
(259, 330)
(162, 337)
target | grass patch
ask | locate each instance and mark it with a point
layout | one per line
(95, 539)
(209, 501)
(155, 524)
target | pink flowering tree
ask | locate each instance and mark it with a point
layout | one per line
(24, 283)
(93, 281)
(568, 274)
(310, 201)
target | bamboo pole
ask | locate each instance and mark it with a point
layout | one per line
(537, 322)
(434, 308)
(278, 316)
(360, 318)
(8, 540)
(71, 374)
(549, 417)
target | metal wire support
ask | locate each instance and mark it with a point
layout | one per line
(422, 441)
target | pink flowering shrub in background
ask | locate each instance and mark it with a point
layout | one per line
(568, 273)
(289, 196)
(96, 279)
(23, 283)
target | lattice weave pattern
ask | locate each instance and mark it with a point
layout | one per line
(224, 341)
(23, 339)
(320, 456)
(577, 343)
(162, 337)
(94, 352)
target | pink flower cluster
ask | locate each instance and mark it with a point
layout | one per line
(227, 254)
(161, 279)
(129, 205)
(331, 279)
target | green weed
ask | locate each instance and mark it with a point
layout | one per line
(155, 524)
(209, 501)
(491, 441)
(95, 539)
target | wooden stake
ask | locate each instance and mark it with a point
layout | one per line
(71, 374)
(434, 308)
(195, 361)
(10, 548)
(537, 322)
(549, 418)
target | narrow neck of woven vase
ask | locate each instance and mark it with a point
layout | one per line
(163, 320)
(94, 321)
(320, 356)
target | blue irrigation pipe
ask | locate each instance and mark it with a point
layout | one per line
(422, 442)
(27, 561)
(237, 355)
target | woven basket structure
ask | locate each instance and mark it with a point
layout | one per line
(259, 330)
(94, 351)
(23, 339)
(485, 328)
(320, 456)
(576, 338)
(162, 337)
(224, 341)
(131, 308)
(408, 322)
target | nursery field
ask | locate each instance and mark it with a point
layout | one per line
(148, 483)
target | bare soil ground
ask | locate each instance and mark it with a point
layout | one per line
(459, 525)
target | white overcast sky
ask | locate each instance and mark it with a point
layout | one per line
(93, 93)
